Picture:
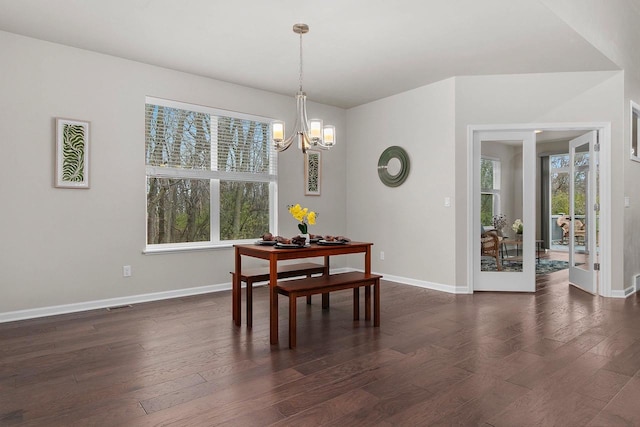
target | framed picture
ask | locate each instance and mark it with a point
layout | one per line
(72, 154)
(312, 172)
(635, 132)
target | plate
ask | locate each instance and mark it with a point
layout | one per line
(315, 240)
(266, 242)
(332, 242)
(290, 246)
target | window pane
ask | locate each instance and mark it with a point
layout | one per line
(244, 209)
(559, 161)
(177, 138)
(559, 193)
(243, 145)
(177, 210)
(486, 174)
(486, 209)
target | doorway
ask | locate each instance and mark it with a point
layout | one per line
(480, 198)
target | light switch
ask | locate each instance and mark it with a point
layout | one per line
(627, 201)
(447, 202)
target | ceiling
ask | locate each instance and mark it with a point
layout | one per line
(356, 51)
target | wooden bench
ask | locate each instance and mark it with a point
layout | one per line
(261, 274)
(329, 283)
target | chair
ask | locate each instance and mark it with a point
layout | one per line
(490, 246)
(563, 222)
(579, 231)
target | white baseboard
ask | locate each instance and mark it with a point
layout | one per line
(12, 316)
(623, 293)
(34, 313)
(420, 283)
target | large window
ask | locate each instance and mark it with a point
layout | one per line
(211, 175)
(489, 190)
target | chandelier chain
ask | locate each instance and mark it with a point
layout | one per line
(300, 62)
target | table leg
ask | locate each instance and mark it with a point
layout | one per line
(367, 260)
(273, 298)
(236, 290)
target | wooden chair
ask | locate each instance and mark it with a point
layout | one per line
(579, 231)
(563, 222)
(490, 246)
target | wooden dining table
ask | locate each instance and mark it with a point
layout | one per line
(274, 254)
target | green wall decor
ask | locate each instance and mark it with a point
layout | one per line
(72, 154)
(388, 179)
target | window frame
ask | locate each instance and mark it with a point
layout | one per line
(214, 176)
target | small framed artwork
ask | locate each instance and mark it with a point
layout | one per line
(635, 132)
(72, 153)
(312, 172)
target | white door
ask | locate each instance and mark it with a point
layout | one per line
(504, 184)
(583, 212)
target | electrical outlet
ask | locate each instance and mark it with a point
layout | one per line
(126, 271)
(381, 256)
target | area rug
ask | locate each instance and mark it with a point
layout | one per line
(543, 266)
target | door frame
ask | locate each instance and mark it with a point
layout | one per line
(604, 138)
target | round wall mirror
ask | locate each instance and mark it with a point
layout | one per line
(393, 166)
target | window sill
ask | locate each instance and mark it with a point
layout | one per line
(155, 250)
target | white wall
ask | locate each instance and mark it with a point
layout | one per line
(409, 223)
(62, 246)
(540, 98)
(612, 27)
(393, 217)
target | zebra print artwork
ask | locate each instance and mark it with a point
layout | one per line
(312, 173)
(72, 154)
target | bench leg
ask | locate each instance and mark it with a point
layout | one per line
(325, 300)
(236, 308)
(309, 296)
(367, 302)
(292, 320)
(376, 303)
(356, 303)
(249, 303)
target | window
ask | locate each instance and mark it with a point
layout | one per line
(489, 190)
(211, 175)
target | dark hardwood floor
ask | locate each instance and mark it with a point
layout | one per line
(556, 357)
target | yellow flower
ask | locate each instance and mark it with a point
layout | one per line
(301, 214)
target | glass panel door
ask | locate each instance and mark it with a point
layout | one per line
(504, 211)
(582, 221)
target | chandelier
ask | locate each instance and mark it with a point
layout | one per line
(310, 133)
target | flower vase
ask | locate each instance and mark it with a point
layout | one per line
(307, 237)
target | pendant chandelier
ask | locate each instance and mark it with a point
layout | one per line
(310, 133)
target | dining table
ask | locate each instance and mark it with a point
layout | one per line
(274, 254)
